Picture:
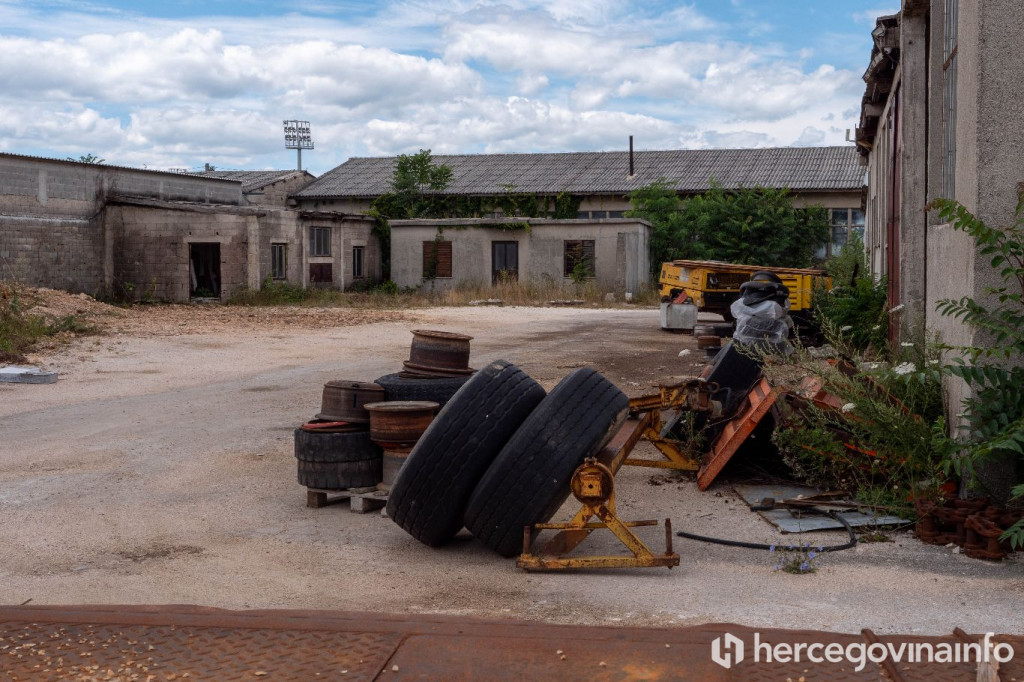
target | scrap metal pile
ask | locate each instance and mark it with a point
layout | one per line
(974, 526)
(446, 447)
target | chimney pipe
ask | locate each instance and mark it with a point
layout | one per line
(630, 156)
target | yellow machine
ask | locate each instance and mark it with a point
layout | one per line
(713, 285)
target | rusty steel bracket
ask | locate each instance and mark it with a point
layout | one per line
(593, 484)
(694, 396)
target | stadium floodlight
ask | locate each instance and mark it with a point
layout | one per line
(298, 137)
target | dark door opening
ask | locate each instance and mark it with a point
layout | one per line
(204, 270)
(504, 261)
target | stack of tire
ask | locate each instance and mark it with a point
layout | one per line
(334, 450)
(500, 454)
(437, 367)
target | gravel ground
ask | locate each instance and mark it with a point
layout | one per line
(159, 469)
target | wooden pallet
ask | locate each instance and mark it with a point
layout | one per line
(361, 500)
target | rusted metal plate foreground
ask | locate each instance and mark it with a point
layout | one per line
(182, 643)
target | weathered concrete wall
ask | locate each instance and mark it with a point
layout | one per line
(58, 252)
(277, 193)
(913, 147)
(541, 250)
(151, 249)
(347, 231)
(281, 227)
(52, 227)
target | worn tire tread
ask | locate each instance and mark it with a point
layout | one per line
(429, 497)
(335, 447)
(340, 475)
(529, 479)
(438, 390)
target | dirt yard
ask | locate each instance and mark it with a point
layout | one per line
(159, 469)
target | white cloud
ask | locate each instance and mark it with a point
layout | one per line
(451, 75)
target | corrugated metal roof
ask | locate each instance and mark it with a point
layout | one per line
(688, 170)
(252, 179)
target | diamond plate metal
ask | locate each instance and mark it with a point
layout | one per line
(50, 651)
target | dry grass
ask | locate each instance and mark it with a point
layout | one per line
(385, 297)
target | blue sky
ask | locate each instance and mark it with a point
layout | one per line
(180, 84)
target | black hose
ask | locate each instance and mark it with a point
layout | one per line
(768, 548)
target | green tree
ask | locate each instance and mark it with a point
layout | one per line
(87, 158)
(415, 186)
(756, 225)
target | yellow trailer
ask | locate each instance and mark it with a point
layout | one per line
(713, 285)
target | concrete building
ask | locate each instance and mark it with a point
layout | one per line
(601, 181)
(266, 188)
(444, 254)
(942, 116)
(126, 232)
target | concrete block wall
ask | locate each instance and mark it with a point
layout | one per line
(277, 193)
(151, 250)
(282, 227)
(61, 253)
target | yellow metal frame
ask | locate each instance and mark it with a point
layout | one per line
(593, 485)
(693, 395)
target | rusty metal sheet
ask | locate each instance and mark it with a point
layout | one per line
(229, 645)
(54, 651)
(497, 660)
(757, 404)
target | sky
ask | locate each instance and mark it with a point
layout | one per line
(183, 83)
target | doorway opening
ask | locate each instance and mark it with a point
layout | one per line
(204, 270)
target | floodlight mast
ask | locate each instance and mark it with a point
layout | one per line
(297, 136)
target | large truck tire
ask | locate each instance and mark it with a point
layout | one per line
(529, 479)
(429, 497)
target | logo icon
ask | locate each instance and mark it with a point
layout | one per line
(727, 641)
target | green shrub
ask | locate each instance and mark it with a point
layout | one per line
(994, 414)
(887, 443)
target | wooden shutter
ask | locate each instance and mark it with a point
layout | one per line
(443, 266)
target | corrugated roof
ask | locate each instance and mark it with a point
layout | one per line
(252, 179)
(33, 157)
(688, 170)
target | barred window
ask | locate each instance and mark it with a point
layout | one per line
(579, 252)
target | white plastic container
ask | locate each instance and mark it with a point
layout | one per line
(678, 317)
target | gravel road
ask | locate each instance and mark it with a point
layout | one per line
(159, 469)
